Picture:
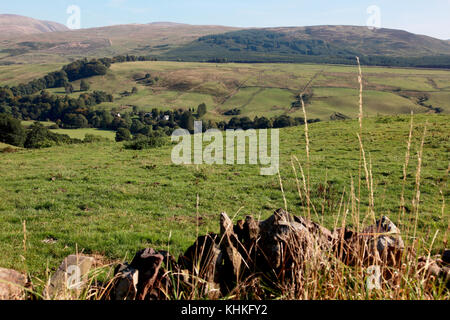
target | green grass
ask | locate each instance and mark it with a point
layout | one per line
(22, 73)
(81, 133)
(76, 133)
(44, 123)
(103, 199)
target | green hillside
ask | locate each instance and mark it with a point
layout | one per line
(269, 89)
(321, 44)
(103, 199)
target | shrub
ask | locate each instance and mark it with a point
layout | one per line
(91, 138)
(123, 134)
(143, 143)
(39, 137)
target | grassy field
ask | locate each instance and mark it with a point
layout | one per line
(81, 133)
(22, 73)
(260, 89)
(76, 133)
(105, 200)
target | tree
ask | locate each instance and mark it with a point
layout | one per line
(76, 120)
(283, 121)
(136, 126)
(262, 123)
(11, 131)
(84, 85)
(187, 121)
(134, 90)
(202, 110)
(123, 134)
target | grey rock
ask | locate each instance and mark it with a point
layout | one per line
(383, 241)
(126, 281)
(70, 278)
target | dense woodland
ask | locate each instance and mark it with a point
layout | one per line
(266, 46)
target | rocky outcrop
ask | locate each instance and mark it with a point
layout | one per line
(279, 246)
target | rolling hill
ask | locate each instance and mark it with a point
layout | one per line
(137, 39)
(332, 44)
(12, 25)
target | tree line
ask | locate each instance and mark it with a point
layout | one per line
(138, 125)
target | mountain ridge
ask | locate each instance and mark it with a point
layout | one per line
(177, 41)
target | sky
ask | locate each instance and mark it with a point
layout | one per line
(431, 17)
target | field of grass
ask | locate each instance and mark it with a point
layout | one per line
(22, 73)
(76, 133)
(260, 89)
(103, 199)
(44, 123)
(81, 133)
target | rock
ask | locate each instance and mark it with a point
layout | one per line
(446, 257)
(251, 230)
(12, 285)
(377, 244)
(70, 278)
(203, 260)
(435, 268)
(125, 285)
(349, 246)
(322, 235)
(148, 262)
(232, 259)
(278, 236)
(386, 238)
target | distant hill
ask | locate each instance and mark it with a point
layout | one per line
(137, 39)
(329, 44)
(175, 41)
(12, 25)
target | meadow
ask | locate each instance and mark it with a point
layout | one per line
(106, 201)
(260, 89)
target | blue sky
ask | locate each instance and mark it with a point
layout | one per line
(431, 17)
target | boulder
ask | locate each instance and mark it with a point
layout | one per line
(70, 278)
(379, 244)
(280, 239)
(148, 263)
(125, 283)
(384, 241)
(203, 260)
(12, 285)
(232, 259)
